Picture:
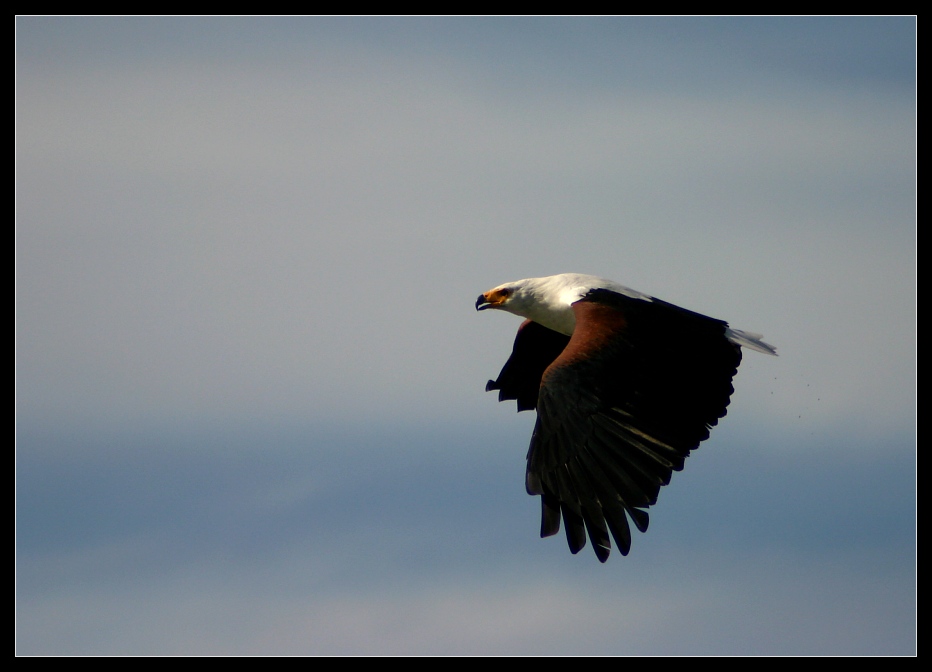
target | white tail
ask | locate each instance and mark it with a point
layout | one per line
(748, 340)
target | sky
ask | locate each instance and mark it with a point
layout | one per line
(250, 407)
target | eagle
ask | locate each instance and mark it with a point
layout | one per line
(625, 386)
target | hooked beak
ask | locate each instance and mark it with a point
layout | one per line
(494, 298)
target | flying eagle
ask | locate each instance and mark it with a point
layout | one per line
(625, 386)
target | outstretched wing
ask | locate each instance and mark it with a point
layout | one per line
(637, 387)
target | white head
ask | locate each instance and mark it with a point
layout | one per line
(547, 301)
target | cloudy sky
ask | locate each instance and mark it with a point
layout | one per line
(250, 407)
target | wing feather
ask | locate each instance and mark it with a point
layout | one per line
(535, 348)
(632, 392)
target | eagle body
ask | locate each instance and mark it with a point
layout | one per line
(624, 385)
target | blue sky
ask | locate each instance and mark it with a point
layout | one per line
(250, 379)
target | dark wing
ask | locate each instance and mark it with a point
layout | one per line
(638, 386)
(535, 349)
